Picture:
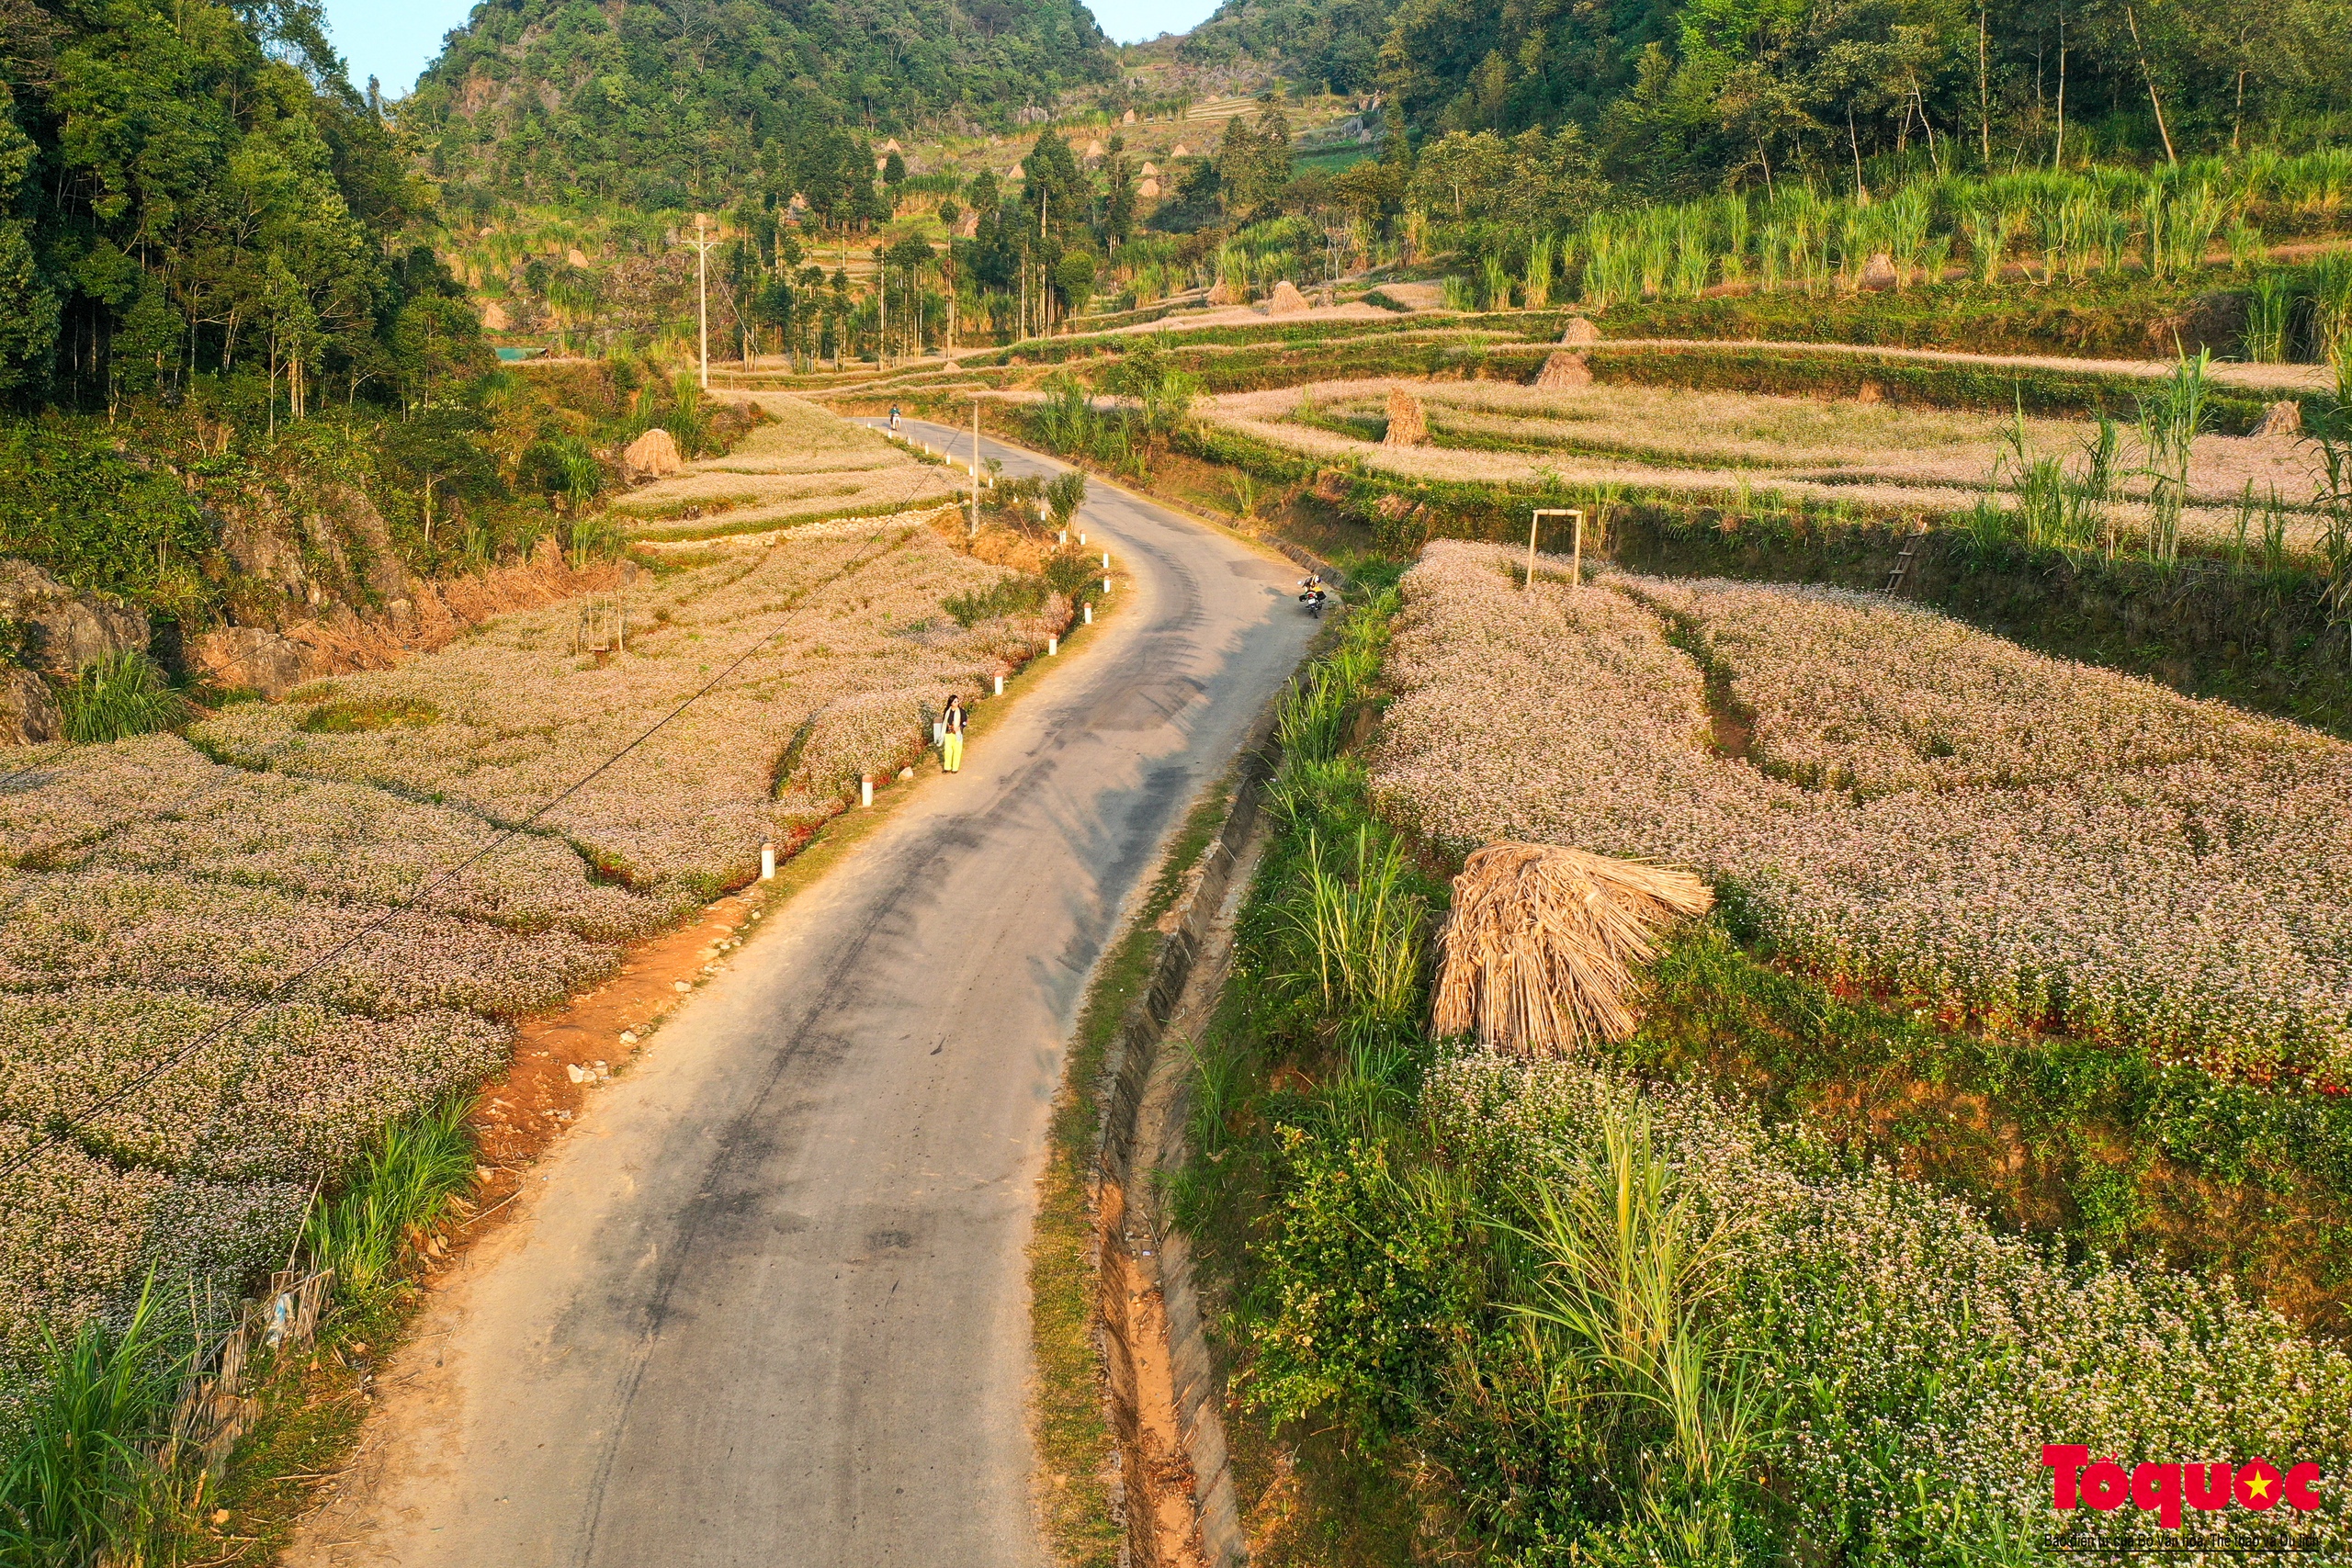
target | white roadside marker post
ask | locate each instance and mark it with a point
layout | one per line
(1090, 614)
(1053, 644)
(866, 791)
(999, 685)
(767, 862)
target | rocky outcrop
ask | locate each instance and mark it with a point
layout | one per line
(1563, 370)
(1407, 425)
(651, 456)
(255, 659)
(322, 556)
(29, 712)
(60, 632)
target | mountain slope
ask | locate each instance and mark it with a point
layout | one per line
(1327, 43)
(663, 104)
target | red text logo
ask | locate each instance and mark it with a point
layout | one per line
(2161, 1489)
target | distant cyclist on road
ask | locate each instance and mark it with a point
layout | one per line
(894, 419)
(950, 745)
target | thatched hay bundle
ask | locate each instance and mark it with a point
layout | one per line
(1563, 370)
(1407, 425)
(1537, 956)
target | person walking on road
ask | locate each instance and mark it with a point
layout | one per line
(951, 743)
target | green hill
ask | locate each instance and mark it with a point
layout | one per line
(1684, 96)
(657, 107)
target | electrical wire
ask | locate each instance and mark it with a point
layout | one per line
(57, 1131)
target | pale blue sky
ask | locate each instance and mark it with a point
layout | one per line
(395, 41)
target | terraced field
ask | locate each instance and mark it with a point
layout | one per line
(403, 862)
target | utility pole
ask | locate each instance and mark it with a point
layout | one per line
(703, 244)
(976, 466)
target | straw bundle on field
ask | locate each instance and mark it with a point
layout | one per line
(1538, 954)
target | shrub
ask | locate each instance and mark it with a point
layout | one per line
(120, 697)
(404, 1186)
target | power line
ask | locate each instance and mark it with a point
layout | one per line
(56, 1132)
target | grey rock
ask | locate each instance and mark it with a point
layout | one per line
(61, 632)
(29, 712)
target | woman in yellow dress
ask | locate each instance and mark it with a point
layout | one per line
(950, 745)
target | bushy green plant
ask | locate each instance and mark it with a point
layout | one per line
(88, 1481)
(1020, 595)
(406, 1185)
(118, 697)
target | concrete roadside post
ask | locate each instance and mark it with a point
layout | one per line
(703, 244)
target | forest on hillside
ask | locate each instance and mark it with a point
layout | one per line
(1684, 96)
(240, 392)
(667, 105)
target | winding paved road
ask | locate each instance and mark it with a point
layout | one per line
(766, 1304)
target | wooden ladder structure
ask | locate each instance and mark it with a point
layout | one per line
(1903, 562)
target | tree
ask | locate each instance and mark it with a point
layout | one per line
(1252, 161)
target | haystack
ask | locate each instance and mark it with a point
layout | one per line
(1407, 425)
(1228, 292)
(2283, 418)
(653, 455)
(1537, 956)
(1563, 369)
(1579, 330)
(1287, 301)
(1878, 273)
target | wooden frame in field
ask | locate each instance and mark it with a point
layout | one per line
(1576, 555)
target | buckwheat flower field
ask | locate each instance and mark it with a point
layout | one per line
(153, 892)
(1722, 448)
(1924, 1360)
(2015, 842)
(515, 711)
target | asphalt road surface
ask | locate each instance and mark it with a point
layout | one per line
(766, 1304)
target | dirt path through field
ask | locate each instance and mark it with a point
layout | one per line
(2283, 379)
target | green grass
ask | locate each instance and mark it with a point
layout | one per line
(120, 697)
(341, 717)
(87, 1482)
(404, 1186)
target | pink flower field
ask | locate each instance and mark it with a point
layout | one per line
(157, 892)
(1906, 805)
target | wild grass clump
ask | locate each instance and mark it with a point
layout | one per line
(90, 1479)
(1018, 595)
(406, 1185)
(118, 697)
